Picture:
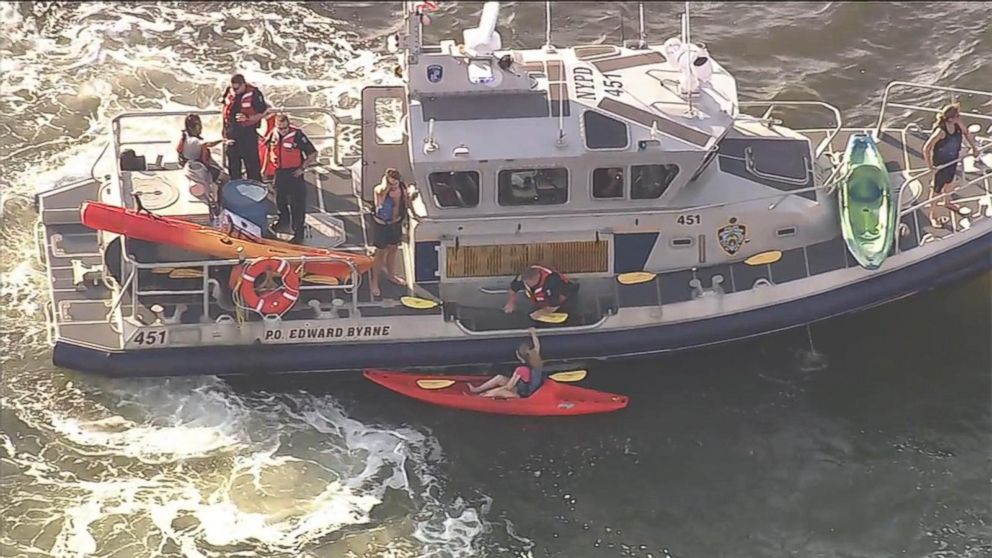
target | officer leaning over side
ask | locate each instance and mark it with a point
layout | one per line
(289, 152)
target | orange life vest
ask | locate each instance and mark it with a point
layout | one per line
(283, 152)
(539, 295)
(245, 107)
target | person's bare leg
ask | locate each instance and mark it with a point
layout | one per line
(933, 221)
(501, 392)
(498, 380)
(391, 257)
(377, 263)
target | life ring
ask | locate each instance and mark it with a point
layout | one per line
(277, 301)
(425, 7)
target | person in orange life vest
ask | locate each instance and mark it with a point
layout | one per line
(244, 108)
(526, 379)
(546, 288)
(289, 152)
(191, 146)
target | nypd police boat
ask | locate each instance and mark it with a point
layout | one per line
(688, 217)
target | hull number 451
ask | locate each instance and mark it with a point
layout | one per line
(688, 219)
(149, 338)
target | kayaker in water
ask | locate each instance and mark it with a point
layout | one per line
(943, 148)
(526, 379)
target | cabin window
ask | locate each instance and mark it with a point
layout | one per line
(603, 132)
(533, 187)
(455, 188)
(649, 182)
(608, 183)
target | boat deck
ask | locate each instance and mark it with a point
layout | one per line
(81, 301)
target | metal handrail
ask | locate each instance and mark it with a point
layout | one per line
(893, 84)
(119, 297)
(472, 333)
(351, 288)
(116, 122)
(838, 118)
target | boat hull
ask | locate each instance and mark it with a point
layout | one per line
(552, 399)
(212, 242)
(954, 264)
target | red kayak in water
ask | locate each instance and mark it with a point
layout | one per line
(551, 399)
(212, 242)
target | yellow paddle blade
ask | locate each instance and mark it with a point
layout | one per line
(569, 376)
(764, 258)
(322, 280)
(552, 318)
(163, 270)
(418, 303)
(635, 277)
(434, 384)
(186, 273)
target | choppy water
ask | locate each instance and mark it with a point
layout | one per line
(875, 442)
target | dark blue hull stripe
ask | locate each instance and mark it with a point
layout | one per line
(952, 266)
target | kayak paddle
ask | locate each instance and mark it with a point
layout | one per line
(567, 376)
(764, 258)
(638, 277)
(417, 303)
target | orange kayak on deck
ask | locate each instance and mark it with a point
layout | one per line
(212, 242)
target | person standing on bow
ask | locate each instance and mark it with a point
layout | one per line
(391, 203)
(942, 150)
(547, 289)
(289, 152)
(244, 109)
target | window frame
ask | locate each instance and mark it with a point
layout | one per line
(626, 184)
(665, 188)
(583, 127)
(430, 187)
(524, 168)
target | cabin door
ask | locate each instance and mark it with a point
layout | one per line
(384, 136)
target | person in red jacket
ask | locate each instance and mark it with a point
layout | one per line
(288, 152)
(244, 109)
(546, 288)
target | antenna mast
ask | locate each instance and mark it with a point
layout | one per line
(642, 36)
(547, 25)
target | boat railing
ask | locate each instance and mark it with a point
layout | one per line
(766, 118)
(333, 134)
(203, 293)
(931, 201)
(893, 85)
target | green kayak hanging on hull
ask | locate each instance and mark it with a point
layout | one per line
(868, 214)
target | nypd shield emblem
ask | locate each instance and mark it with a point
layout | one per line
(732, 237)
(434, 73)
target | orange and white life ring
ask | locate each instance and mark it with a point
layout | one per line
(277, 301)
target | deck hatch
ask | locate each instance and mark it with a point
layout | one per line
(581, 256)
(614, 64)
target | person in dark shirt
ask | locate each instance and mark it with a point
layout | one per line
(288, 153)
(942, 151)
(244, 109)
(546, 288)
